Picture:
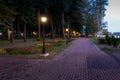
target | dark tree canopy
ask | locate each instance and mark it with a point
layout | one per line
(60, 13)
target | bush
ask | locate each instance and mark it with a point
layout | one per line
(9, 50)
(101, 41)
(38, 39)
(24, 50)
(49, 47)
(109, 40)
(119, 40)
(2, 51)
(115, 41)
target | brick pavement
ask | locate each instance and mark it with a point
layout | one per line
(81, 61)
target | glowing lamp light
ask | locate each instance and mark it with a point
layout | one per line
(43, 19)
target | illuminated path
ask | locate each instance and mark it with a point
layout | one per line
(81, 61)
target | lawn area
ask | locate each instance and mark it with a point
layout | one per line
(33, 52)
(4, 43)
(111, 50)
(105, 47)
(94, 39)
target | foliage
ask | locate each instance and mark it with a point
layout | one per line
(7, 13)
(94, 15)
(115, 41)
(38, 39)
(23, 51)
(2, 51)
(111, 50)
(108, 39)
(61, 13)
(102, 41)
(37, 48)
(95, 40)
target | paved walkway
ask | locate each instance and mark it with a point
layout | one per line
(81, 61)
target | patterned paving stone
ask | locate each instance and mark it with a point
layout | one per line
(83, 60)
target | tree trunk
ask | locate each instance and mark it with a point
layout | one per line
(102, 17)
(25, 40)
(63, 30)
(68, 33)
(52, 30)
(18, 27)
(68, 28)
(12, 31)
(38, 23)
(55, 31)
(98, 23)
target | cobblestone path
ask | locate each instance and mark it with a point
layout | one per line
(81, 61)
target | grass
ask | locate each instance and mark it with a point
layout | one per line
(57, 50)
(94, 39)
(53, 48)
(105, 49)
(52, 53)
(111, 50)
(4, 43)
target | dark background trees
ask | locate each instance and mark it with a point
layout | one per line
(23, 16)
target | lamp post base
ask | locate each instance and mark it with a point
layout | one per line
(45, 54)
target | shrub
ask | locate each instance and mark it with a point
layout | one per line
(9, 50)
(109, 40)
(49, 47)
(38, 39)
(2, 51)
(101, 41)
(15, 51)
(24, 50)
(119, 40)
(59, 40)
(115, 41)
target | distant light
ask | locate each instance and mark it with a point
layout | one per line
(34, 33)
(97, 36)
(115, 36)
(77, 32)
(22, 34)
(104, 36)
(73, 32)
(66, 29)
(49, 34)
(118, 36)
(0, 34)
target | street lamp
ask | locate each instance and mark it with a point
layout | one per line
(44, 19)
(74, 33)
(68, 39)
(34, 35)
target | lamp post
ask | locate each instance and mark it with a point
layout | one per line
(34, 35)
(74, 33)
(68, 39)
(44, 19)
